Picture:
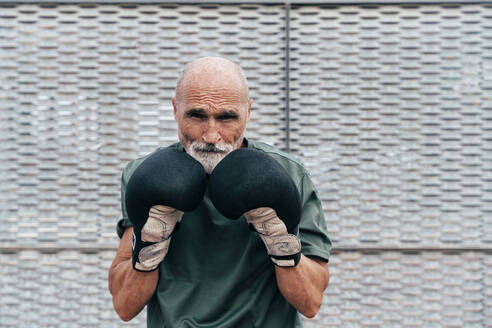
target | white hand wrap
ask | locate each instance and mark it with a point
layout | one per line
(274, 234)
(158, 229)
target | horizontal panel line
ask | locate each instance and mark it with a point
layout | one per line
(341, 249)
(293, 2)
(55, 248)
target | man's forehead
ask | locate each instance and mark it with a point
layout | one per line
(220, 88)
(214, 101)
(213, 89)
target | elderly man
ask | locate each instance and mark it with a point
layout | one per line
(213, 271)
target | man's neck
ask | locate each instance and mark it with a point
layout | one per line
(245, 143)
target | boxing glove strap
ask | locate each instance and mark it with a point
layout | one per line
(286, 261)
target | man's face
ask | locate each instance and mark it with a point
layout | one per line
(211, 118)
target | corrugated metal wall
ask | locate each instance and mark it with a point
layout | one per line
(389, 107)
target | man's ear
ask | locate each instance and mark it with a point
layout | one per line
(173, 100)
(250, 102)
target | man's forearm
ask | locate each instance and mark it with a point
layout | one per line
(131, 289)
(303, 285)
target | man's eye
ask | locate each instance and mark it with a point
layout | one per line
(196, 115)
(227, 117)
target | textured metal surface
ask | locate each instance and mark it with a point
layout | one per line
(65, 289)
(391, 112)
(390, 289)
(85, 89)
(393, 289)
(264, 2)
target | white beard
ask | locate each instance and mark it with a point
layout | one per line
(209, 155)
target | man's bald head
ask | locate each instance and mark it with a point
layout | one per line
(210, 72)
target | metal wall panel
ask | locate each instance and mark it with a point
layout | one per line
(86, 88)
(63, 289)
(391, 112)
(389, 289)
(394, 289)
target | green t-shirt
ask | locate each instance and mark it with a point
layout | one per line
(217, 272)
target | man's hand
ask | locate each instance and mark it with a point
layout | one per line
(252, 183)
(168, 183)
(156, 233)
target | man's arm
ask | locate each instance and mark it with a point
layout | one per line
(303, 285)
(130, 288)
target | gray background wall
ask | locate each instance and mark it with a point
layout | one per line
(388, 105)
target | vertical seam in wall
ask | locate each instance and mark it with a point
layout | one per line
(287, 76)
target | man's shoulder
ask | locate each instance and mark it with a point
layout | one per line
(287, 160)
(132, 165)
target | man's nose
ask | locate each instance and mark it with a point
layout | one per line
(211, 135)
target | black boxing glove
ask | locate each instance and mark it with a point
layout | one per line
(164, 186)
(251, 183)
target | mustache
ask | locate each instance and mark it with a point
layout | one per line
(211, 148)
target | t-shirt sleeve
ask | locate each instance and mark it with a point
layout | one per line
(312, 229)
(124, 221)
